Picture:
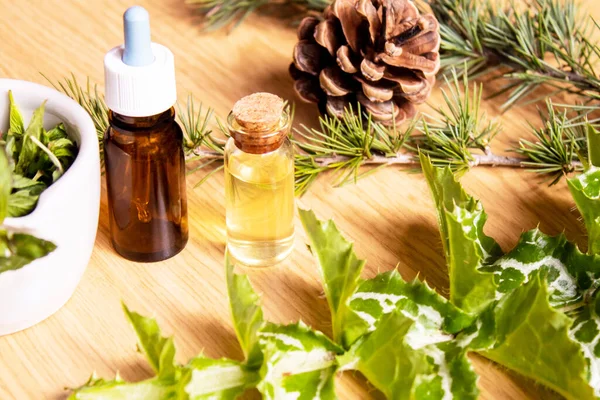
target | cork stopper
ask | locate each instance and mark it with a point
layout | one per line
(258, 112)
(258, 123)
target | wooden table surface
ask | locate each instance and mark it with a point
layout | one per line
(389, 215)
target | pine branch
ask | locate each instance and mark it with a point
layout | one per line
(458, 134)
(343, 145)
(559, 142)
(450, 136)
(219, 14)
(548, 42)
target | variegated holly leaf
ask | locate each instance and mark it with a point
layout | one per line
(523, 323)
(339, 266)
(246, 313)
(461, 219)
(202, 379)
(536, 340)
(222, 379)
(299, 363)
(435, 316)
(585, 189)
(586, 331)
(570, 274)
(403, 365)
(117, 389)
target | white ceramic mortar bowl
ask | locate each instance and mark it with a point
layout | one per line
(66, 214)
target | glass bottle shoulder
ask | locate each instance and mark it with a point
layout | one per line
(266, 167)
(144, 135)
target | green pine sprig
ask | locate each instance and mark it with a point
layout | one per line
(453, 133)
(560, 143)
(540, 43)
(90, 99)
(218, 14)
(344, 145)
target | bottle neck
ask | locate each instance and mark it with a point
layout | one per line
(142, 123)
(259, 142)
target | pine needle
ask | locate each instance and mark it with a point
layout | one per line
(90, 100)
(539, 43)
(219, 14)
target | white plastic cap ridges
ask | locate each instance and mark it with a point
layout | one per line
(140, 91)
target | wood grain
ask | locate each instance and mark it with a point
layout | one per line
(390, 215)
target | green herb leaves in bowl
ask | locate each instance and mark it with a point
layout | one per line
(31, 159)
(36, 157)
(16, 249)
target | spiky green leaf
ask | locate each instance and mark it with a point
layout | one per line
(246, 312)
(396, 360)
(388, 292)
(299, 363)
(338, 265)
(461, 219)
(117, 389)
(159, 351)
(585, 189)
(533, 339)
(218, 379)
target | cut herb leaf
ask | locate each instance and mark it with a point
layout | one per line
(22, 202)
(435, 317)
(403, 368)
(461, 219)
(16, 249)
(218, 379)
(339, 267)
(246, 313)
(5, 184)
(570, 274)
(16, 127)
(28, 157)
(117, 389)
(300, 363)
(585, 189)
(36, 158)
(536, 286)
(159, 351)
(532, 338)
(19, 249)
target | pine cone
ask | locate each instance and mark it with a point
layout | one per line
(379, 53)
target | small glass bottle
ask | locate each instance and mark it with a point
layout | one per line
(259, 181)
(143, 147)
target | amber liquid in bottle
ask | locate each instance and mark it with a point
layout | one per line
(259, 194)
(145, 176)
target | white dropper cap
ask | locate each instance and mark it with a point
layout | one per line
(140, 75)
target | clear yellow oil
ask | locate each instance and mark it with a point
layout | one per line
(260, 207)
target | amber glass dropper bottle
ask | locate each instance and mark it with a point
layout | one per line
(144, 161)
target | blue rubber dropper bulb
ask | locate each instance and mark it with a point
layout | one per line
(138, 44)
